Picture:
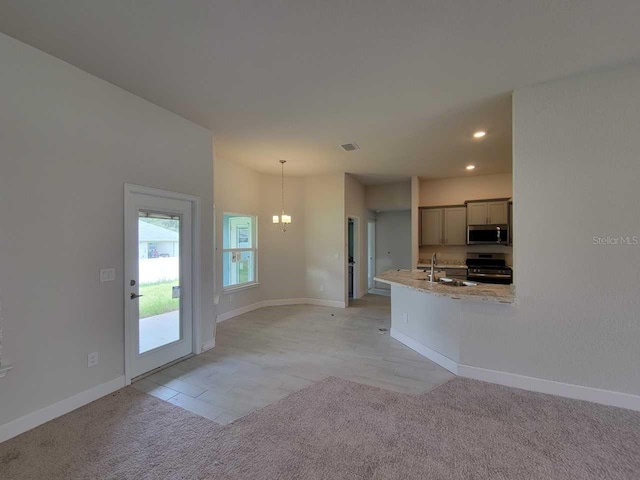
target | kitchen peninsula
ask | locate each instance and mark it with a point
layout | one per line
(485, 292)
(437, 319)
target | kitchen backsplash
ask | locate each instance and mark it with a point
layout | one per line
(449, 255)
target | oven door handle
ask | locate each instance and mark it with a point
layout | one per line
(492, 275)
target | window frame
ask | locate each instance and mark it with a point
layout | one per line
(254, 242)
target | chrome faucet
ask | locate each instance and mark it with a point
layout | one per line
(433, 264)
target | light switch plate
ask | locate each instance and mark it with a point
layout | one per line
(107, 274)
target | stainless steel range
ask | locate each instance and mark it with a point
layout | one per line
(489, 268)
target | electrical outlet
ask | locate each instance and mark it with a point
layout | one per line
(405, 317)
(92, 359)
(336, 256)
(322, 288)
(231, 298)
(107, 274)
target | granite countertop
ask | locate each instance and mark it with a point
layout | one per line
(485, 292)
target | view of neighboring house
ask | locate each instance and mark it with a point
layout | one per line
(156, 241)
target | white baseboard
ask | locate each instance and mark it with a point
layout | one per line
(283, 301)
(578, 392)
(324, 303)
(425, 351)
(380, 291)
(568, 390)
(208, 345)
(34, 419)
(277, 303)
(238, 311)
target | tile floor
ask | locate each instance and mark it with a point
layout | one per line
(264, 355)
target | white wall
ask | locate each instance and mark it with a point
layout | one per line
(393, 241)
(294, 264)
(281, 255)
(325, 237)
(236, 190)
(68, 143)
(282, 263)
(389, 196)
(576, 170)
(433, 321)
(355, 207)
(455, 191)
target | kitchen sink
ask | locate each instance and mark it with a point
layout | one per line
(456, 283)
(452, 282)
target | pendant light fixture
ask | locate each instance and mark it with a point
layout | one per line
(282, 218)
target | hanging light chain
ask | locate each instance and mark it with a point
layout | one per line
(282, 218)
(282, 162)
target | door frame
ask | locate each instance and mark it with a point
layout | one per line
(356, 258)
(196, 314)
(371, 254)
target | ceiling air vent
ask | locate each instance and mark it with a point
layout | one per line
(350, 147)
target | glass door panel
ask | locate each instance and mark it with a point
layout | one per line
(159, 292)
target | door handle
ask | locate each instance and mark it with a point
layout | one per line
(134, 296)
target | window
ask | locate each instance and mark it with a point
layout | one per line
(239, 250)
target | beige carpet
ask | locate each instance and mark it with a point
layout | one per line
(337, 429)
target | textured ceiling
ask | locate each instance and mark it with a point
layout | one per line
(407, 80)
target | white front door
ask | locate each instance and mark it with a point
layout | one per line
(158, 280)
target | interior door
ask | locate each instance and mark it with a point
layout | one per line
(158, 290)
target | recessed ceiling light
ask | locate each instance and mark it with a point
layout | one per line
(479, 134)
(470, 167)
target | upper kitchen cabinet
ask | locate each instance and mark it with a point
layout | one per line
(443, 226)
(498, 213)
(493, 212)
(455, 226)
(431, 226)
(477, 213)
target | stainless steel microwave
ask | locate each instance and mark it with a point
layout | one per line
(488, 235)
